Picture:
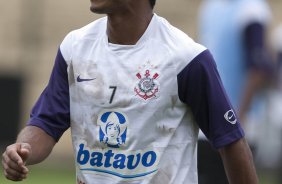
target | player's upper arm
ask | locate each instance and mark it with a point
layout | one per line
(52, 110)
(200, 87)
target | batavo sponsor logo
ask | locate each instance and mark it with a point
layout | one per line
(120, 163)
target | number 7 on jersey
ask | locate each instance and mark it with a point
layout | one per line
(113, 93)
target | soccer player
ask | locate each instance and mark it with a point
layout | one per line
(134, 70)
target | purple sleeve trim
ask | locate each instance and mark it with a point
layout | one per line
(51, 112)
(200, 87)
(229, 138)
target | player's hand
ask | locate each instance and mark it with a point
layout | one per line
(14, 161)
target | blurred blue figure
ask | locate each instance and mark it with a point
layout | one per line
(277, 40)
(278, 37)
(274, 159)
(235, 32)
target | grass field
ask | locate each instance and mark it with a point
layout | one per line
(45, 175)
(60, 174)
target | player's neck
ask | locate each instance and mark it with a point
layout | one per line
(127, 30)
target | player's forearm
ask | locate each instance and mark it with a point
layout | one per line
(238, 163)
(40, 142)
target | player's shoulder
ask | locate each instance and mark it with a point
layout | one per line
(171, 32)
(184, 48)
(177, 38)
(89, 31)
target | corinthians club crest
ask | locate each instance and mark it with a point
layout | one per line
(148, 86)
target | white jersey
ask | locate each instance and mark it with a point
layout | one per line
(129, 122)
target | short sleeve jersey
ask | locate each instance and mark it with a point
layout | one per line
(135, 110)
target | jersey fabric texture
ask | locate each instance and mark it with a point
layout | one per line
(134, 110)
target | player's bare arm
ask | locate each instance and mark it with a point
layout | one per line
(238, 162)
(33, 146)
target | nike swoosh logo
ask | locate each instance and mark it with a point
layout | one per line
(231, 117)
(78, 79)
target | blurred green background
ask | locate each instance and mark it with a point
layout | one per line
(56, 173)
(62, 173)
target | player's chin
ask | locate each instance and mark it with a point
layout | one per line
(97, 10)
(97, 6)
